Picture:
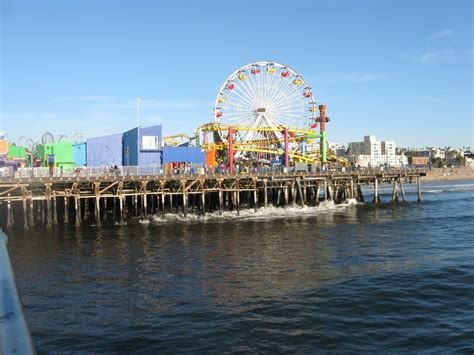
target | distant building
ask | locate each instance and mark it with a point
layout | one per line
(438, 153)
(335, 146)
(80, 153)
(455, 157)
(338, 148)
(104, 151)
(469, 163)
(183, 154)
(149, 152)
(374, 153)
(57, 154)
(419, 160)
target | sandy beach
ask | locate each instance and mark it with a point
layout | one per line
(448, 174)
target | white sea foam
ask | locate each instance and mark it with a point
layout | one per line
(261, 213)
(448, 188)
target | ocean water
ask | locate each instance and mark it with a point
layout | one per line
(352, 277)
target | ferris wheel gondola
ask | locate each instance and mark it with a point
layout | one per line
(264, 97)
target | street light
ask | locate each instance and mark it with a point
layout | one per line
(139, 101)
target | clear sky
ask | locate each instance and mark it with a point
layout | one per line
(402, 70)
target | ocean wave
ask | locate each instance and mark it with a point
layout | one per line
(448, 188)
(261, 213)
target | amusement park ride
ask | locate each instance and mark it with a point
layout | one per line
(265, 112)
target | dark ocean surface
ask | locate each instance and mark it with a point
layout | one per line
(353, 277)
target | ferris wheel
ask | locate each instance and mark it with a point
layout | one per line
(264, 97)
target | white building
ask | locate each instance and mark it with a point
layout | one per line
(337, 148)
(438, 153)
(374, 153)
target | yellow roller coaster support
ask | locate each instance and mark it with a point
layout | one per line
(173, 140)
(236, 128)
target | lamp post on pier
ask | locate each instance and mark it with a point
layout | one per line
(139, 101)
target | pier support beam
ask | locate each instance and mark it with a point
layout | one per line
(221, 201)
(300, 192)
(376, 191)
(122, 204)
(66, 209)
(237, 183)
(203, 203)
(330, 193)
(255, 197)
(77, 208)
(42, 207)
(265, 193)
(135, 200)
(87, 206)
(162, 188)
(25, 216)
(144, 198)
(49, 216)
(122, 212)
(32, 212)
(97, 211)
(97, 203)
(55, 209)
(325, 190)
(293, 193)
(104, 216)
(402, 190)
(419, 189)
(185, 197)
(304, 193)
(395, 191)
(9, 212)
(360, 195)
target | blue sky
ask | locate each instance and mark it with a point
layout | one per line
(402, 70)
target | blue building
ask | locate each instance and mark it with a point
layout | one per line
(80, 154)
(150, 146)
(183, 154)
(105, 150)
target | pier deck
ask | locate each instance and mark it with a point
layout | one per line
(74, 199)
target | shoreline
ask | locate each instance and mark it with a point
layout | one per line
(448, 175)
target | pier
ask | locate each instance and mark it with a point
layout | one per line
(72, 200)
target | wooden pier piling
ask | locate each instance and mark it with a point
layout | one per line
(376, 191)
(395, 191)
(184, 194)
(402, 190)
(32, 212)
(419, 189)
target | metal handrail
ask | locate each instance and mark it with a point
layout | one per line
(198, 169)
(14, 334)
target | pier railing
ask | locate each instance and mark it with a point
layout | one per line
(192, 169)
(14, 334)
